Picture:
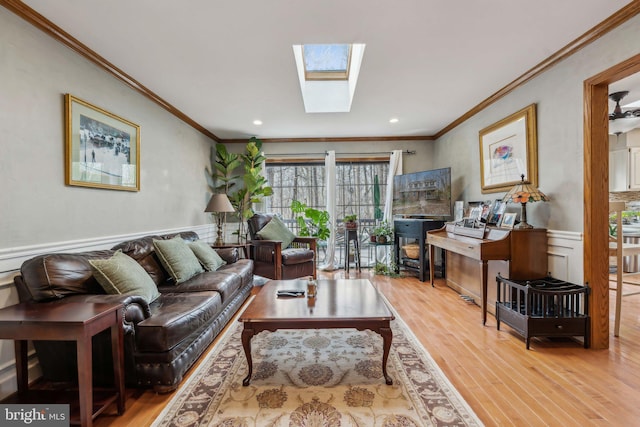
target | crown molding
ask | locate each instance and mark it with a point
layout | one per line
(42, 23)
(337, 139)
(618, 18)
(48, 27)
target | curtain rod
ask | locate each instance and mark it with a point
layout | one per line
(344, 154)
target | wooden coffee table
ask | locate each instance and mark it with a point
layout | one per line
(339, 304)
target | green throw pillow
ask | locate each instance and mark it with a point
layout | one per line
(276, 230)
(176, 256)
(208, 257)
(122, 275)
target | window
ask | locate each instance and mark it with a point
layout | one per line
(305, 182)
(328, 75)
(326, 61)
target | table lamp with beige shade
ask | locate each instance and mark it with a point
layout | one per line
(219, 204)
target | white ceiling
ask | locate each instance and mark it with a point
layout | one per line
(226, 63)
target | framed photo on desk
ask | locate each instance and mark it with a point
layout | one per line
(508, 220)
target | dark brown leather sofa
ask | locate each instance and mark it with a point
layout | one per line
(162, 339)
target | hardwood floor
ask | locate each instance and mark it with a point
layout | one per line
(555, 383)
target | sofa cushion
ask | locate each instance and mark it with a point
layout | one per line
(207, 256)
(292, 256)
(177, 258)
(224, 283)
(174, 317)
(122, 275)
(278, 231)
(243, 268)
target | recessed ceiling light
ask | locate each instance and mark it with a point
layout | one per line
(394, 120)
(257, 122)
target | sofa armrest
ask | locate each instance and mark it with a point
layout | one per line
(265, 250)
(135, 308)
(230, 255)
(309, 242)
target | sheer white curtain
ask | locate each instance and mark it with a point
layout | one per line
(330, 263)
(395, 168)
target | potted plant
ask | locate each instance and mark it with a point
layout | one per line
(385, 270)
(383, 232)
(350, 221)
(312, 222)
(243, 190)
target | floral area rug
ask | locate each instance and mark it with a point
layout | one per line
(327, 377)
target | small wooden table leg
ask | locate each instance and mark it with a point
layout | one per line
(485, 272)
(432, 260)
(247, 334)
(22, 366)
(387, 336)
(117, 353)
(85, 380)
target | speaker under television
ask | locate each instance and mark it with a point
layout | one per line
(425, 194)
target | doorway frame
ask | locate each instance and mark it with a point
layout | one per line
(596, 194)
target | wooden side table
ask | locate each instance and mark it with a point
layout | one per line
(77, 322)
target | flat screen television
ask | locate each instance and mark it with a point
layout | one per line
(425, 194)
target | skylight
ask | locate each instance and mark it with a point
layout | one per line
(328, 74)
(326, 61)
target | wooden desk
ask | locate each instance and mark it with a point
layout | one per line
(525, 251)
(77, 322)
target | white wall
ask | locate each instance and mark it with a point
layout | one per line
(558, 94)
(37, 207)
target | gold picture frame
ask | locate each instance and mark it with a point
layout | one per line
(509, 149)
(102, 150)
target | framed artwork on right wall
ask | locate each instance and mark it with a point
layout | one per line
(509, 149)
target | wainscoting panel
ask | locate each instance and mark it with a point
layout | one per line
(565, 252)
(12, 258)
(564, 256)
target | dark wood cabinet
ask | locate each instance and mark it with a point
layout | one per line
(410, 228)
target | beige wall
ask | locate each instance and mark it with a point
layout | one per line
(559, 98)
(37, 207)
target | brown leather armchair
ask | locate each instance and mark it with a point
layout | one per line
(273, 261)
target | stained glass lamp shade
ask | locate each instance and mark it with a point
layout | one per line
(524, 193)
